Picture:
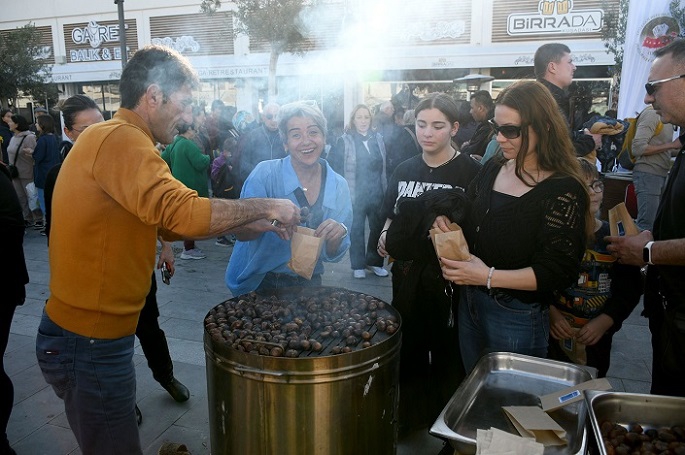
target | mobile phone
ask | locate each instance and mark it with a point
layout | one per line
(166, 274)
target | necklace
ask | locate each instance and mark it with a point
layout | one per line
(432, 168)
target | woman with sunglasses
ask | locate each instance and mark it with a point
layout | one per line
(526, 230)
(585, 316)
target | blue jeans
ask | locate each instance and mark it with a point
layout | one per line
(499, 323)
(41, 199)
(648, 188)
(97, 381)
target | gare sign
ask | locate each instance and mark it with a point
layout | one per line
(555, 16)
(89, 42)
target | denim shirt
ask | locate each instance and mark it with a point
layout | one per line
(252, 260)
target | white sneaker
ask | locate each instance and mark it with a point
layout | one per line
(360, 273)
(192, 254)
(379, 271)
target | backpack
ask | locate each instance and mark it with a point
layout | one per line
(626, 158)
(224, 185)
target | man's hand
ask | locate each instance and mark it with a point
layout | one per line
(251, 231)
(285, 213)
(628, 248)
(166, 254)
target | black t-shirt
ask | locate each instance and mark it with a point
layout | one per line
(414, 177)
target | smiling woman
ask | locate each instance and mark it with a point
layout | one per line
(260, 261)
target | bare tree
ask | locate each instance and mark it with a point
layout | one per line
(22, 68)
(276, 22)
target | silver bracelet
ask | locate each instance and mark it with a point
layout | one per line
(489, 282)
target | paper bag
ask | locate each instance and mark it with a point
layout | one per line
(494, 441)
(620, 221)
(574, 350)
(533, 422)
(305, 249)
(450, 245)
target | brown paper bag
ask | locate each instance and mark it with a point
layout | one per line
(450, 245)
(574, 350)
(305, 249)
(620, 221)
(533, 422)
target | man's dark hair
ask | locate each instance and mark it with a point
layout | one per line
(483, 98)
(154, 65)
(676, 48)
(550, 52)
(73, 105)
(184, 127)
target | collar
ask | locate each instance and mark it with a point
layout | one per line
(128, 116)
(291, 182)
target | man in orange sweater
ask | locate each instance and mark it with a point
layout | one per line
(113, 196)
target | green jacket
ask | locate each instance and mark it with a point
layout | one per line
(188, 164)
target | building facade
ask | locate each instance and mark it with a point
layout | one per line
(361, 50)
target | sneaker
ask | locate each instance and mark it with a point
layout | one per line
(379, 271)
(38, 225)
(223, 241)
(28, 224)
(359, 273)
(192, 254)
(44, 232)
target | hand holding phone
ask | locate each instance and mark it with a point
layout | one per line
(166, 274)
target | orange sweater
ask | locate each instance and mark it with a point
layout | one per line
(113, 193)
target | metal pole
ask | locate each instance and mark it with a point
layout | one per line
(122, 31)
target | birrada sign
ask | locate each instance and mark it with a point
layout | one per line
(528, 24)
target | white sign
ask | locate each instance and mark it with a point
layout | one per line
(104, 54)
(181, 44)
(95, 34)
(553, 17)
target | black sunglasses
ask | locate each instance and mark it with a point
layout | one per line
(508, 131)
(650, 87)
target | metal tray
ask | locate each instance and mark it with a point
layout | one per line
(650, 411)
(506, 379)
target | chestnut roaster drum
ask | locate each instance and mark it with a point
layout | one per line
(303, 371)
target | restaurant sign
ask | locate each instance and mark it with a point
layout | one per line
(90, 42)
(555, 16)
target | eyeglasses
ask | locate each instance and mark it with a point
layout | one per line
(597, 186)
(508, 131)
(650, 87)
(269, 116)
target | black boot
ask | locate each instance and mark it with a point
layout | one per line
(178, 391)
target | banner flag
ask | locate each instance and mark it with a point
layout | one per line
(650, 27)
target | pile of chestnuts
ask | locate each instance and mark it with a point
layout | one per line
(637, 440)
(316, 322)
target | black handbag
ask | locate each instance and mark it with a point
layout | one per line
(14, 170)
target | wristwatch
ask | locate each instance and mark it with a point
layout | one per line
(647, 253)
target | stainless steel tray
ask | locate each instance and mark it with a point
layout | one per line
(506, 379)
(650, 411)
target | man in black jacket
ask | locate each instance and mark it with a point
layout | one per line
(554, 69)
(482, 110)
(663, 249)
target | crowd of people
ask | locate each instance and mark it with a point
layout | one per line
(543, 276)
